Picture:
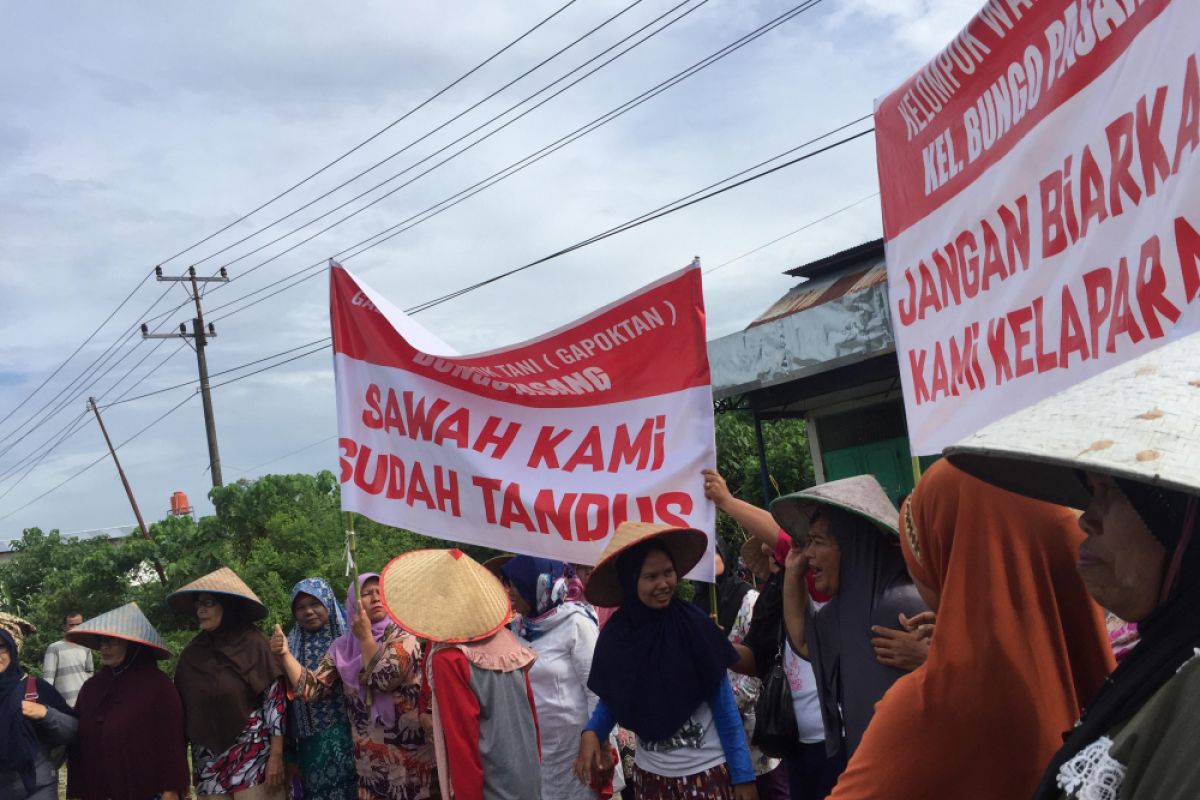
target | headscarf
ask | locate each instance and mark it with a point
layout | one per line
(221, 677)
(546, 586)
(731, 590)
(131, 741)
(1169, 635)
(1019, 646)
(652, 667)
(347, 657)
(309, 649)
(16, 732)
(873, 589)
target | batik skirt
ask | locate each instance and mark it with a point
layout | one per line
(712, 784)
(327, 765)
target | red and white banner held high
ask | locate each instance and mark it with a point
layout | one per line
(1041, 203)
(540, 448)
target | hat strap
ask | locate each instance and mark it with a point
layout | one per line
(1189, 527)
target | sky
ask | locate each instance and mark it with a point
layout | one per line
(133, 131)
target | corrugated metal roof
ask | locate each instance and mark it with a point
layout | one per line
(815, 292)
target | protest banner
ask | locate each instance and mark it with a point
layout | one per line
(540, 448)
(1041, 204)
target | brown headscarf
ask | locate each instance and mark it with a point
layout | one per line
(1018, 647)
(221, 676)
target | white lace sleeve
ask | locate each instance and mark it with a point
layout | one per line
(1092, 774)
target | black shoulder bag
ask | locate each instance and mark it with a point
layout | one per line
(775, 731)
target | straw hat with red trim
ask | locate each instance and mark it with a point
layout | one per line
(223, 583)
(686, 546)
(127, 623)
(444, 596)
(861, 495)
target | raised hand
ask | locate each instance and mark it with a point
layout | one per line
(279, 643)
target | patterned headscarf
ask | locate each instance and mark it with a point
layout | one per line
(545, 585)
(309, 649)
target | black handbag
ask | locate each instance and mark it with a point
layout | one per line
(775, 731)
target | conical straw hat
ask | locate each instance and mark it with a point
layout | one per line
(686, 545)
(127, 622)
(221, 582)
(1139, 420)
(756, 560)
(444, 596)
(16, 627)
(861, 495)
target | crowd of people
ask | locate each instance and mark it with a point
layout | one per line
(965, 645)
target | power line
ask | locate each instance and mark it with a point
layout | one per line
(75, 352)
(412, 144)
(378, 133)
(320, 345)
(63, 483)
(804, 227)
(511, 169)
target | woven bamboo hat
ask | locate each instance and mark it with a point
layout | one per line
(861, 495)
(223, 582)
(1137, 421)
(128, 623)
(686, 546)
(17, 628)
(444, 596)
(756, 560)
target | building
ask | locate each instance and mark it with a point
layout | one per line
(825, 352)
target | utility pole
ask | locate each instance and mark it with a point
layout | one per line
(199, 340)
(162, 575)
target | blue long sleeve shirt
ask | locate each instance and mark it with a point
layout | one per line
(725, 717)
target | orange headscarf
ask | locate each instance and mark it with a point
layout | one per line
(1018, 647)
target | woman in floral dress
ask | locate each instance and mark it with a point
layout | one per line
(378, 669)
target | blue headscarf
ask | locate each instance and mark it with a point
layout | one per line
(309, 649)
(653, 668)
(20, 743)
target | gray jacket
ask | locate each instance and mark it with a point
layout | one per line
(55, 730)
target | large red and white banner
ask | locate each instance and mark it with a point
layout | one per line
(540, 448)
(1041, 202)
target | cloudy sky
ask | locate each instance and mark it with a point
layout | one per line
(134, 130)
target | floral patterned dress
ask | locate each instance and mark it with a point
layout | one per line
(394, 762)
(243, 765)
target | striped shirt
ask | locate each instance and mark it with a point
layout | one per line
(66, 667)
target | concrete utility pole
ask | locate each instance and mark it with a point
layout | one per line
(199, 339)
(158, 567)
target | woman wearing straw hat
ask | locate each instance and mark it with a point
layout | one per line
(1123, 445)
(660, 670)
(131, 743)
(484, 722)
(845, 531)
(319, 732)
(232, 688)
(35, 722)
(555, 622)
(1020, 647)
(377, 669)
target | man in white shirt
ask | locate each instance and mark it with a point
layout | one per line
(66, 666)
